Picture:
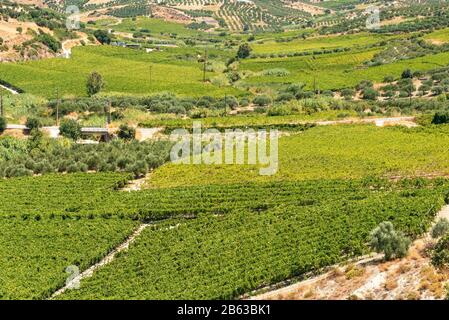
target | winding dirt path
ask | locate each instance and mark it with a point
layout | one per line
(67, 45)
(106, 260)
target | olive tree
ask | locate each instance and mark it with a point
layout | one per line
(126, 132)
(70, 129)
(440, 229)
(3, 124)
(33, 123)
(385, 239)
(94, 83)
(244, 51)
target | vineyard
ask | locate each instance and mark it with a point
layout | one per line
(296, 227)
(300, 221)
(129, 75)
(224, 256)
(36, 252)
(363, 122)
(335, 71)
(330, 152)
(279, 46)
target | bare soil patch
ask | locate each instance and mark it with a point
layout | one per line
(306, 7)
(170, 14)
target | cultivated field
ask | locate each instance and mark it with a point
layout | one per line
(90, 196)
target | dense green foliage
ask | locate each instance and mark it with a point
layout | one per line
(35, 253)
(42, 156)
(440, 254)
(71, 129)
(345, 151)
(385, 239)
(305, 226)
(94, 83)
(440, 229)
(3, 124)
(219, 231)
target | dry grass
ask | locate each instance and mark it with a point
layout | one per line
(403, 268)
(353, 271)
(391, 283)
(412, 295)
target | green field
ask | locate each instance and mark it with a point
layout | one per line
(439, 36)
(317, 43)
(34, 254)
(330, 152)
(124, 70)
(317, 210)
(224, 255)
(338, 70)
(251, 120)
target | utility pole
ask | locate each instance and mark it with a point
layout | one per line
(108, 113)
(205, 64)
(1, 106)
(58, 101)
(225, 103)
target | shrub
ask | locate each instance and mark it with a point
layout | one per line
(244, 102)
(385, 239)
(279, 111)
(244, 51)
(440, 255)
(276, 72)
(262, 100)
(231, 102)
(364, 84)
(3, 124)
(370, 94)
(407, 74)
(347, 94)
(48, 40)
(286, 96)
(33, 123)
(437, 90)
(327, 93)
(296, 89)
(93, 162)
(126, 132)
(139, 168)
(440, 229)
(70, 129)
(389, 79)
(94, 83)
(102, 36)
(440, 118)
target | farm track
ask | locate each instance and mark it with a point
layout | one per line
(106, 260)
(9, 89)
(148, 133)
